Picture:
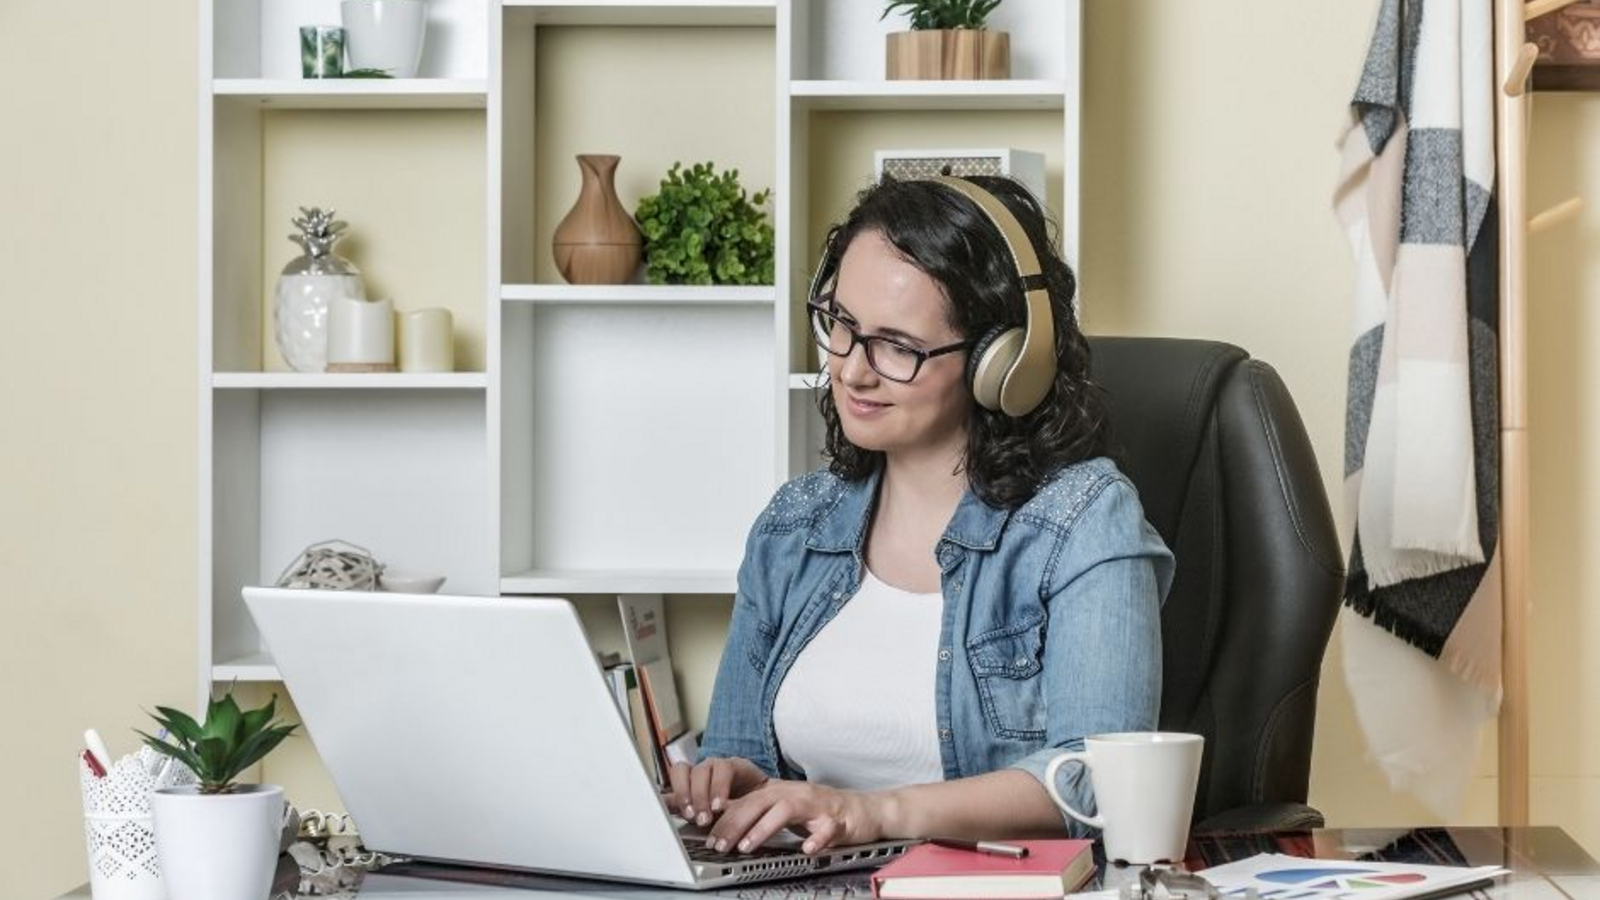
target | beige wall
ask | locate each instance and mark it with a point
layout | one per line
(97, 402)
(1564, 429)
(1208, 162)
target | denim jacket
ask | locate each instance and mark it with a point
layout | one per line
(1051, 628)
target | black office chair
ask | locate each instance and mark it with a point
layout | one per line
(1227, 476)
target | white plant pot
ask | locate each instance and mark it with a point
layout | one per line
(384, 34)
(218, 846)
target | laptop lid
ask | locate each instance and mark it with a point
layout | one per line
(470, 729)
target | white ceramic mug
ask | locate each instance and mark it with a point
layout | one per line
(1144, 785)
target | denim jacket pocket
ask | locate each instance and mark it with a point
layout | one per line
(1006, 663)
(760, 648)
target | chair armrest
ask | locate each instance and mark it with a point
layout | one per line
(1261, 817)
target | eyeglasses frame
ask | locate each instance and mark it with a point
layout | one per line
(824, 304)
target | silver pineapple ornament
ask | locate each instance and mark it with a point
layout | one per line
(307, 288)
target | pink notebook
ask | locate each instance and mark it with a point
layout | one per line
(926, 872)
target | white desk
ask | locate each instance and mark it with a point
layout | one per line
(1545, 864)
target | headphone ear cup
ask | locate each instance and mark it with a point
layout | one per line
(990, 361)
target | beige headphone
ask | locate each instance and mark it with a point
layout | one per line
(1011, 368)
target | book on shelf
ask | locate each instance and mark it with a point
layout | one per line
(658, 719)
(623, 681)
(661, 696)
(929, 872)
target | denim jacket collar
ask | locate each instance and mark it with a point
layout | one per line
(842, 527)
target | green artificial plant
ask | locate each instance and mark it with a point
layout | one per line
(943, 14)
(228, 742)
(701, 228)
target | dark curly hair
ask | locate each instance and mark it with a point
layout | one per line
(947, 236)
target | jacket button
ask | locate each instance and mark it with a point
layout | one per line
(944, 654)
(944, 734)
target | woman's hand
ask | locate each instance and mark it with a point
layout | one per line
(828, 815)
(701, 792)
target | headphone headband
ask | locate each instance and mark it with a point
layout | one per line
(1011, 369)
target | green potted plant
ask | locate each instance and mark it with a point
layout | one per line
(948, 40)
(702, 228)
(219, 839)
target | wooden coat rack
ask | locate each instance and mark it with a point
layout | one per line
(1514, 59)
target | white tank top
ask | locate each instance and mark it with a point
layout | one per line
(856, 710)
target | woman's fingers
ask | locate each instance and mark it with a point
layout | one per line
(777, 815)
(721, 788)
(700, 790)
(678, 797)
(823, 831)
(737, 819)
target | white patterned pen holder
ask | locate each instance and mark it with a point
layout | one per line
(118, 826)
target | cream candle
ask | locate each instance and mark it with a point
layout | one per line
(427, 341)
(361, 335)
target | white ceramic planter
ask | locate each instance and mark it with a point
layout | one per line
(384, 34)
(218, 846)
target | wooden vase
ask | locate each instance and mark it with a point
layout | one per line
(960, 53)
(597, 242)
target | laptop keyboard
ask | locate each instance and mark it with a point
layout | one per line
(699, 852)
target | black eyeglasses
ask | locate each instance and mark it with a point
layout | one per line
(893, 359)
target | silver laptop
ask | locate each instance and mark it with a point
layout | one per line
(481, 731)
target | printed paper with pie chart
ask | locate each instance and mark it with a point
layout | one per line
(1278, 877)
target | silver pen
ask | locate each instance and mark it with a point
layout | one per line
(993, 848)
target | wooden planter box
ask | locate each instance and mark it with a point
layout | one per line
(955, 54)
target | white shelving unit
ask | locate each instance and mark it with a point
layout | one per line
(949, 96)
(296, 381)
(406, 93)
(653, 295)
(617, 439)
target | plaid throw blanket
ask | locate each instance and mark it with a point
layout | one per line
(1415, 197)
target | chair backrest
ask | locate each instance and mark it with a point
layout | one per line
(1226, 474)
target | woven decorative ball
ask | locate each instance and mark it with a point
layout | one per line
(333, 565)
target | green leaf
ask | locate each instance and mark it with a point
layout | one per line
(181, 754)
(179, 723)
(258, 746)
(258, 718)
(223, 719)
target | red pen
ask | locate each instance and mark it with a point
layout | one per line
(93, 764)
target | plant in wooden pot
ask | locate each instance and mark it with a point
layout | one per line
(218, 839)
(948, 40)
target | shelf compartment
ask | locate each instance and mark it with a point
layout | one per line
(928, 95)
(629, 294)
(846, 39)
(261, 38)
(632, 73)
(298, 381)
(355, 93)
(249, 667)
(702, 13)
(403, 474)
(635, 438)
(559, 582)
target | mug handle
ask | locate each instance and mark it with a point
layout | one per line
(1050, 785)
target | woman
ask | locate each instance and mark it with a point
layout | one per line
(963, 593)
